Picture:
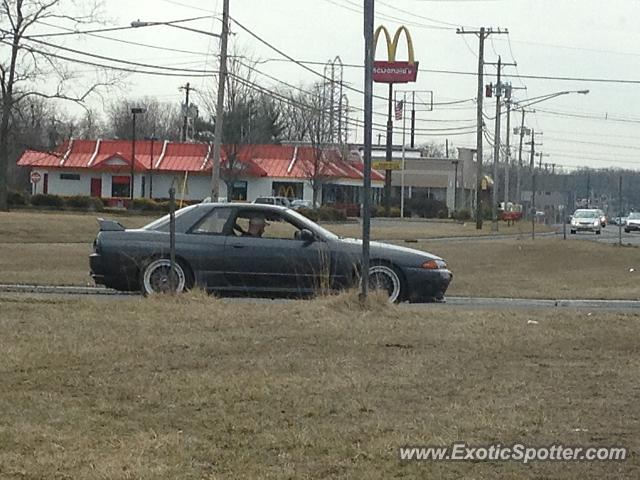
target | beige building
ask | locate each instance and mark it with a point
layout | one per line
(437, 177)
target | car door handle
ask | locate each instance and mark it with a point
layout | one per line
(238, 246)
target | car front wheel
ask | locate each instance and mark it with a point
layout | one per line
(156, 277)
(386, 278)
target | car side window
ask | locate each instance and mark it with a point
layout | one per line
(249, 223)
(214, 223)
(281, 228)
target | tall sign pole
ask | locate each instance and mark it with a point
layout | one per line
(393, 71)
(368, 125)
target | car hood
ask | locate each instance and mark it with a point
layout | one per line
(387, 250)
(635, 221)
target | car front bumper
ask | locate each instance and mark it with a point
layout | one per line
(586, 228)
(632, 226)
(424, 285)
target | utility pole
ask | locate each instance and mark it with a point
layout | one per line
(187, 88)
(368, 125)
(496, 146)
(482, 34)
(533, 185)
(588, 187)
(389, 154)
(413, 119)
(222, 79)
(507, 163)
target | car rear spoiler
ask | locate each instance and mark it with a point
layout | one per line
(110, 225)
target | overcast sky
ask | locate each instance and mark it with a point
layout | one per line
(581, 39)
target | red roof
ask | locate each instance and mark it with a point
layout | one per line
(278, 161)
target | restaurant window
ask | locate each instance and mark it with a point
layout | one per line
(120, 186)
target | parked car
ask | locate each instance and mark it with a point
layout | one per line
(633, 222)
(587, 220)
(293, 256)
(282, 201)
(299, 203)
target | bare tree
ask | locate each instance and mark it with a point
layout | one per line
(317, 168)
(251, 117)
(31, 70)
(160, 119)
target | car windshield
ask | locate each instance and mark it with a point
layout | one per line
(586, 214)
(634, 215)
(162, 220)
(323, 231)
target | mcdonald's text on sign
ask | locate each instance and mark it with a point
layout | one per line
(382, 165)
(392, 70)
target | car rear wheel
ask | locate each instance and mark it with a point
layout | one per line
(386, 278)
(573, 232)
(156, 276)
(598, 232)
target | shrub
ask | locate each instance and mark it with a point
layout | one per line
(324, 214)
(84, 202)
(461, 215)
(147, 205)
(426, 207)
(15, 198)
(47, 200)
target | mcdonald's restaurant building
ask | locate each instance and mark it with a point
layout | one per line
(103, 168)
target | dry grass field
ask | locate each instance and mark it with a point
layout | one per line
(58, 227)
(62, 227)
(544, 268)
(199, 388)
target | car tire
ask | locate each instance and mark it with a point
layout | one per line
(627, 230)
(387, 277)
(598, 232)
(154, 277)
(573, 232)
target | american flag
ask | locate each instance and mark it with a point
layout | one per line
(399, 108)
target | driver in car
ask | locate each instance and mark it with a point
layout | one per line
(256, 228)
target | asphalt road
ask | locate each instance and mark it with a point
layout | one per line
(610, 235)
(44, 292)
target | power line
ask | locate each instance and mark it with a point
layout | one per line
(112, 59)
(98, 65)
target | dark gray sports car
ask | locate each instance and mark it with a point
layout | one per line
(256, 249)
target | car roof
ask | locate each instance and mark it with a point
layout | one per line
(252, 206)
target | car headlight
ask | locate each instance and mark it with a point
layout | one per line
(434, 264)
(574, 222)
(596, 223)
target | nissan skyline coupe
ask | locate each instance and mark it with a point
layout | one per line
(261, 250)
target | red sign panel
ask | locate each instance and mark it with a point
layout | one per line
(35, 177)
(394, 72)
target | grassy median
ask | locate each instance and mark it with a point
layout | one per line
(195, 387)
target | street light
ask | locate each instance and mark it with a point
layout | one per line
(549, 96)
(222, 79)
(522, 106)
(134, 111)
(138, 24)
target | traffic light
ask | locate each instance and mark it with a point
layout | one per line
(488, 90)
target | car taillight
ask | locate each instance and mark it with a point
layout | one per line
(434, 264)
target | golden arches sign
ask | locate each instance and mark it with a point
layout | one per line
(286, 191)
(391, 70)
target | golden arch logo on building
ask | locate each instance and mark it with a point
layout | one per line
(286, 191)
(392, 70)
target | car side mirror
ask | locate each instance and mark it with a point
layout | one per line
(306, 235)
